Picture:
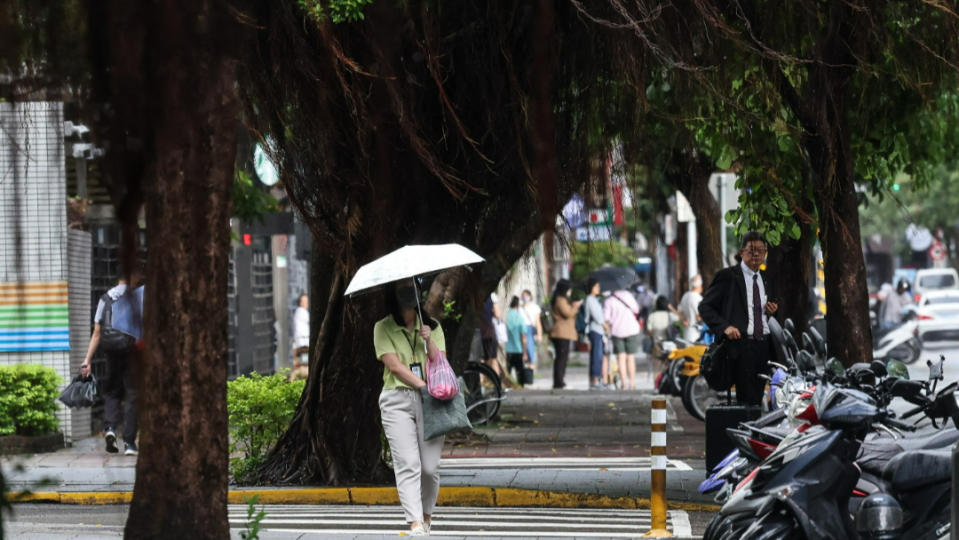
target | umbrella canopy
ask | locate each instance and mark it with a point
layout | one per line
(614, 278)
(128, 313)
(408, 262)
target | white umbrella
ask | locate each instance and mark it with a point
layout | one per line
(409, 262)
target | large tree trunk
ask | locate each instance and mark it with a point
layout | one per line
(693, 180)
(790, 262)
(827, 141)
(172, 73)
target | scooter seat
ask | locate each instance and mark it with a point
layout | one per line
(912, 470)
(878, 450)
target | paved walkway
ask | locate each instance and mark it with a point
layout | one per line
(559, 449)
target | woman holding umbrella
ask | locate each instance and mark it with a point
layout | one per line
(399, 340)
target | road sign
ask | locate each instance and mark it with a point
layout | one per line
(937, 251)
(598, 216)
(593, 233)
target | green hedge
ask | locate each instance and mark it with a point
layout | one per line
(260, 410)
(27, 394)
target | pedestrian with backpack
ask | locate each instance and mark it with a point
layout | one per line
(119, 383)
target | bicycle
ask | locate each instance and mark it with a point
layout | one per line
(483, 392)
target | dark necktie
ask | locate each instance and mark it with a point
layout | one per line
(757, 310)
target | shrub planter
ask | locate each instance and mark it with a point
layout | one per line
(35, 444)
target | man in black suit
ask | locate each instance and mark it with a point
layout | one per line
(738, 304)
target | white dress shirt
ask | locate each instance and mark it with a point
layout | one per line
(748, 277)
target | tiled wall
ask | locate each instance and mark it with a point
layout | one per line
(33, 217)
(79, 249)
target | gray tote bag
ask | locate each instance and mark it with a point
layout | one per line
(441, 417)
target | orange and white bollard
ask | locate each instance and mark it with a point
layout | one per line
(657, 452)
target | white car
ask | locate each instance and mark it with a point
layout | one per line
(934, 279)
(938, 316)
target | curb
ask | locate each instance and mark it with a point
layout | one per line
(448, 496)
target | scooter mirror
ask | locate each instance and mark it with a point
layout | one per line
(789, 326)
(818, 340)
(935, 370)
(805, 361)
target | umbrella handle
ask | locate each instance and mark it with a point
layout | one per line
(416, 291)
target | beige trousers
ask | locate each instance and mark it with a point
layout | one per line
(415, 461)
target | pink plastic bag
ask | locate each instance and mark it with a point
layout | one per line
(441, 381)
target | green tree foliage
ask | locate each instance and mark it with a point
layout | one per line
(588, 256)
(260, 409)
(339, 11)
(27, 402)
(250, 202)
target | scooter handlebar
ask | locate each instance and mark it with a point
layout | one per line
(902, 426)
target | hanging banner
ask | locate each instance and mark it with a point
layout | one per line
(34, 316)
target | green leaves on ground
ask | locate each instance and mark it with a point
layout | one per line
(27, 394)
(260, 409)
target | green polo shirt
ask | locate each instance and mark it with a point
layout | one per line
(389, 337)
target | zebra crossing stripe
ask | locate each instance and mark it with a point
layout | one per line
(500, 522)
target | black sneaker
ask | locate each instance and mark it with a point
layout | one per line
(130, 449)
(111, 438)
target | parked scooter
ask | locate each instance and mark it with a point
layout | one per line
(803, 488)
(899, 343)
(790, 389)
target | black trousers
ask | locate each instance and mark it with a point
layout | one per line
(514, 362)
(752, 359)
(120, 393)
(559, 363)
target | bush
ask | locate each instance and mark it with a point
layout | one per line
(260, 410)
(27, 394)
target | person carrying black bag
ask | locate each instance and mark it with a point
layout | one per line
(737, 306)
(119, 385)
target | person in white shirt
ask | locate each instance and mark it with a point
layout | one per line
(689, 308)
(301, 336)
(118, 386)
(534, 329)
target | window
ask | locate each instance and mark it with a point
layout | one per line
(937, 281)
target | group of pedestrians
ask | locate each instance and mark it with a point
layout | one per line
(518, 333)
(612, 326)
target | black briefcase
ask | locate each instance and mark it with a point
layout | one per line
(527, 376)
(718, 418)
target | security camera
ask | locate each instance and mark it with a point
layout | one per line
(80, 150)
(70, 129)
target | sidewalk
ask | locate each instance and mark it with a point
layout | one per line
(568, 448)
